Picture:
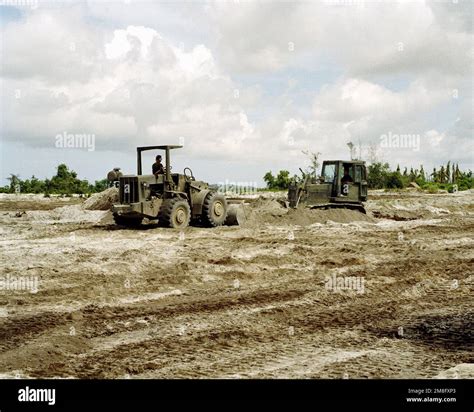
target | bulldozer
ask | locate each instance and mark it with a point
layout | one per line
(175, 199)
(342, 184)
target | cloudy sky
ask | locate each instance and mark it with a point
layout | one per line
(246, 86)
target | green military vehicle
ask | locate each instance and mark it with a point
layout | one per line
(176, 200)
(343, 184)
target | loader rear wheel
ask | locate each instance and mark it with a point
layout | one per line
(127, 221)
(214, 210)
(174, 213)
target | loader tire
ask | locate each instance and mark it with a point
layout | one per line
(174, 213)
(214, 210)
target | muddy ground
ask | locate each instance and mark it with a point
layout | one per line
(321, 294)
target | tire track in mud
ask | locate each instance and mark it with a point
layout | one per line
(14, 332)
(302, 320)
(225, 347)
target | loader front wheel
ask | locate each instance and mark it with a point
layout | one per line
(214, 210)
(174, 213)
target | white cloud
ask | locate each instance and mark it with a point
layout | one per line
(434, 137)
(53, 48)
(131, 83)
(146, 89)
(364, 37)
(124, 41)
(367, 108)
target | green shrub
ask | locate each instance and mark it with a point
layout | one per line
(394, 181)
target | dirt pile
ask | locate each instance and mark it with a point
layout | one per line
(64, 214)
(264, 210)
(103, 200)
(274, 211)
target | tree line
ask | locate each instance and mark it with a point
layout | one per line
(379, 176)
(64, 182)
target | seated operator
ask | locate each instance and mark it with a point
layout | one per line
(346, 179)
(157, 167)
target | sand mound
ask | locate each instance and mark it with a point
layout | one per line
(274, 207)
(103, 200)
(76, 214)
(461, 371)
(92, 210)
(65, 214)
(275, 212)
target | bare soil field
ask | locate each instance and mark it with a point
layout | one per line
(316, 294)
